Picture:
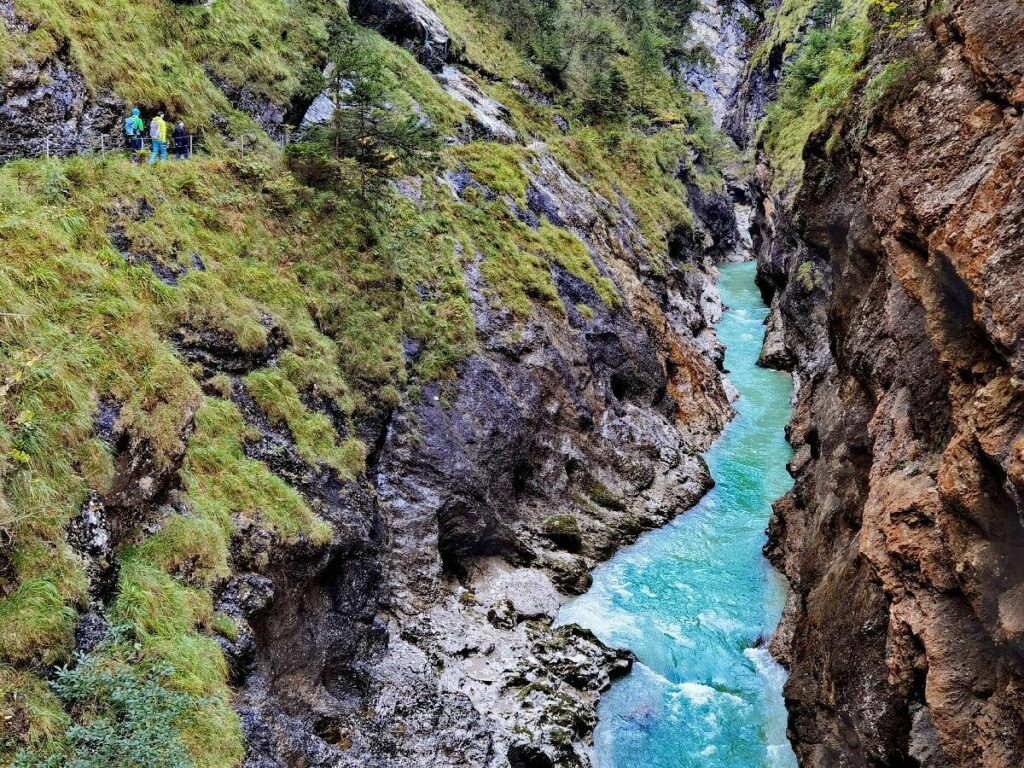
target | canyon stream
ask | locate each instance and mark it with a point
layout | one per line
(696, 600)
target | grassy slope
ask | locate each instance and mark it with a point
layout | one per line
(827, 72)
(79, 323)
(823, 70)
(156, 54)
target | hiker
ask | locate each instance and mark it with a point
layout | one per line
(158, 133)
(181, 142)
(133, 128)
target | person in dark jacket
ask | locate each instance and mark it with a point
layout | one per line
(181, 148)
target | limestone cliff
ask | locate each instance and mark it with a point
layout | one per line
(895, 280)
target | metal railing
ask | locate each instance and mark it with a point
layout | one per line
(101, 145)
(51, 146)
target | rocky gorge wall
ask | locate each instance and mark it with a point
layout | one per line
(895, 282)
(490, 499)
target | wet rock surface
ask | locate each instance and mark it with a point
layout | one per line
(422, 633)
(409, 23)
(895, 284)
(46, 106)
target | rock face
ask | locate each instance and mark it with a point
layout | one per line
(896, 284)
(490, 116)
(422, 634)
(410, 23)
(719, 50)
(46, 106)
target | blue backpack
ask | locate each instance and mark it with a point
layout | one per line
(130, 128)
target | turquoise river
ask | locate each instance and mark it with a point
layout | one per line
(695, 599)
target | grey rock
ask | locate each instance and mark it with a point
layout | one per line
(774, 352)
(246, 595)
(320, 111)
(108, 413)
(716, 27)
(409, 23)
(489, 115)
(217, 351)
(269, 115)
(90, 632)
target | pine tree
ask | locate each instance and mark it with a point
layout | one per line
(650, 48)
(607, 96)
(364, 126)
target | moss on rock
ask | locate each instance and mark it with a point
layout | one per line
(564, 531)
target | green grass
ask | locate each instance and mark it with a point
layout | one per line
(808, 276)
(157, 54)
(31, 713)
(411, 84)
(343, 286)
(897, 80)
(171, 621)
(225, 483)
(499, 167)
(314, 435)
(817, 84)
(484, 40)
(35, 622)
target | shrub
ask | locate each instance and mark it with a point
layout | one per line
(126, 717)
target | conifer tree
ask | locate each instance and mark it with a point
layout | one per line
(365, 127)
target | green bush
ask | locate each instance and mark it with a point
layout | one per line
(125, 716)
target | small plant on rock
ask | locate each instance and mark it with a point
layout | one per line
(126, 716)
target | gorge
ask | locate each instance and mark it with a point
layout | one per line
(696, 600)
(452, 441)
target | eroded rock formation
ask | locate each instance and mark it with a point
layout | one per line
(423, 633)
(896, 284)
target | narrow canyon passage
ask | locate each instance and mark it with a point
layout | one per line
(695, 599)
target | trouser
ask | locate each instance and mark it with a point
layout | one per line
(159, 150)
(135, 143)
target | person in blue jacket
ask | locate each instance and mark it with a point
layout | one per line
(133, 128)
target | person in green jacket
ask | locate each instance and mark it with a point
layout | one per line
(158, 134)
(133, 130)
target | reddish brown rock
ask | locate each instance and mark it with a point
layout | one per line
(903, 536)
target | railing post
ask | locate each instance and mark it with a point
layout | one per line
(190, 146)
(47, 147)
